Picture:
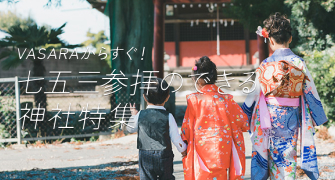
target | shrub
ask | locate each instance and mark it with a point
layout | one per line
(321, 65)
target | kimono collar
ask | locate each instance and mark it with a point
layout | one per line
(283, 52)
(209, 88)
(155, 107)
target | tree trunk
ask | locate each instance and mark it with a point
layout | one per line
(40, 98)
(131, 25)
(38, 71)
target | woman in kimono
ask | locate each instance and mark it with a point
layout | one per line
(212, 128)
(284, 102)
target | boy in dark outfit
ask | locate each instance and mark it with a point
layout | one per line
(156, 129)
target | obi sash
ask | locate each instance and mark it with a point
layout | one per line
(264, 113)
(279, 101)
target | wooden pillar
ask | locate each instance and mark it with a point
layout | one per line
(158, 62)
(176, 41)
(247, 46)
(263, 49)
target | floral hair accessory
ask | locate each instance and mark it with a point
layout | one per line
(262, 32)
(195, 68)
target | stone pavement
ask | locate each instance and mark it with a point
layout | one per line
(82, 156)
(108, 159)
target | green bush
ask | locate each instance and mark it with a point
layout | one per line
(321, 65)
(7, 116)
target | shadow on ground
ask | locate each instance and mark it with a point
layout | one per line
(116, 170)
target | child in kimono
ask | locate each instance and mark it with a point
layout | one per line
(285, 100)
(156, 129)
(212, 127)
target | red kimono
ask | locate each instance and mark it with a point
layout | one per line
(213, 126)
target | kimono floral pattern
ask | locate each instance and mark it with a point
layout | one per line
(283, 141)
(275, 155)
(213, 126)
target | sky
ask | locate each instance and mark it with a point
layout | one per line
(78, 14)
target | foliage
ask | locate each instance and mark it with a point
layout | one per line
(56, 3)
(313, 23)
(322, 67)
(252, 13)
(53, 3)
(25, 33)
(94, 138)
(7, 114)
(8, 19)
(98, 41)
(8, 1)
(30, 36)
(49, 3)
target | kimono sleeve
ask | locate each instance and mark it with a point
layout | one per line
(237, 115)
(252, 98)
(188, 120)
(313, 101)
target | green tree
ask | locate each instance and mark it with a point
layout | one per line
(29, 36)
(312, 21)
(9, 19)
(322, 67)
(313, 24)
(252, 13)
(98, 41)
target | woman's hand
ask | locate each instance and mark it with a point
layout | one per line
(133, 109)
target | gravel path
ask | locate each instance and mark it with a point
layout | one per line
(112, 159)
(325, 151)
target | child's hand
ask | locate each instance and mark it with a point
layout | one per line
(133, 109)
(184, 153)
